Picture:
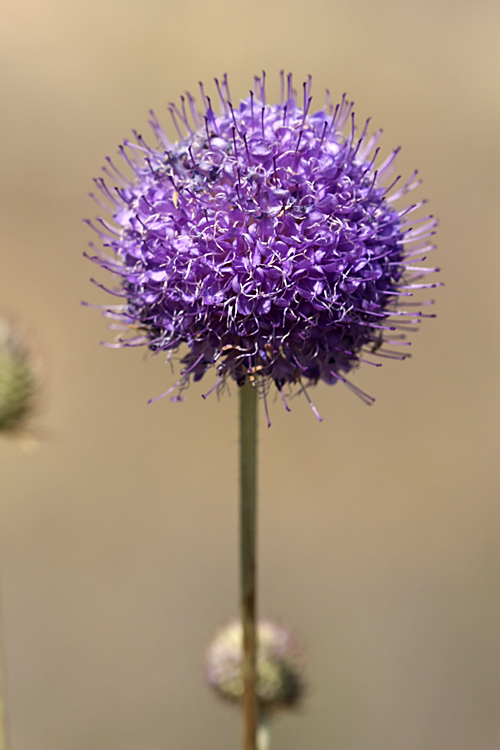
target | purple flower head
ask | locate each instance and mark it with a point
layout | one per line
(266, 241)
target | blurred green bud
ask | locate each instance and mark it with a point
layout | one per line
(19, 379)
(280, 672)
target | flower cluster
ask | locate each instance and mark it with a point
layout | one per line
(280, 670)
(265, 239)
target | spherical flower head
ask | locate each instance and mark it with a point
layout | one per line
(280, 671)
(19, 379)
(266, 240)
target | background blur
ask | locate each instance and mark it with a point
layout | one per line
(379, 540)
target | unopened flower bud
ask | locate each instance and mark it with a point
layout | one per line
(19, 379)
(280, 672)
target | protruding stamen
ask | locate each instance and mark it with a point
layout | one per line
(167, 393)
(212, 389)
(117, 172)
(284, 399)
(156, 127)
(221, 96)
(225, 83)
(211, 115)
(207, 130)
(233, 116)
(314, 410)
(171, 109)
(247, 150)
(184, 115)
(204, 98)
(233, 132)
(266, 410)
(307, 104)
(194, 112)
(309, 85)
(297, 146)
(384, 167)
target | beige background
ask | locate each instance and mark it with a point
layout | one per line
(379, 534)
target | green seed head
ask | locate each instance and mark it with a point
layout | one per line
(19, 379)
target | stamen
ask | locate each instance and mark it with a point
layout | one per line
(306, 105)
(298, 141)
(206, 130)
(315, 411)
(167, 393)
(389, 161)
(225, 83)
(320, 143)
(266, 410)
(309, 85)
(234, 118)
(210, 113)
(126, 182)
(114, 292)
(184, 115)
(204, 98)
(174, 120)
(212, 389)
(284, 399)
(221, 96)
(249, 158)
(233, 132)
(194, 111)
(155, 125)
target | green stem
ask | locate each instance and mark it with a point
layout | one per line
(248, 533)
(3, 715)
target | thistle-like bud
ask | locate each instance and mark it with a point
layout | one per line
(19, 380)
(280, 671)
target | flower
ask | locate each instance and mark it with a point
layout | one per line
(19, 380)
(280, 671)
(265, 240)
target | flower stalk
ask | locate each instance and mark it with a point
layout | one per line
(3, 716)
(248, 562)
